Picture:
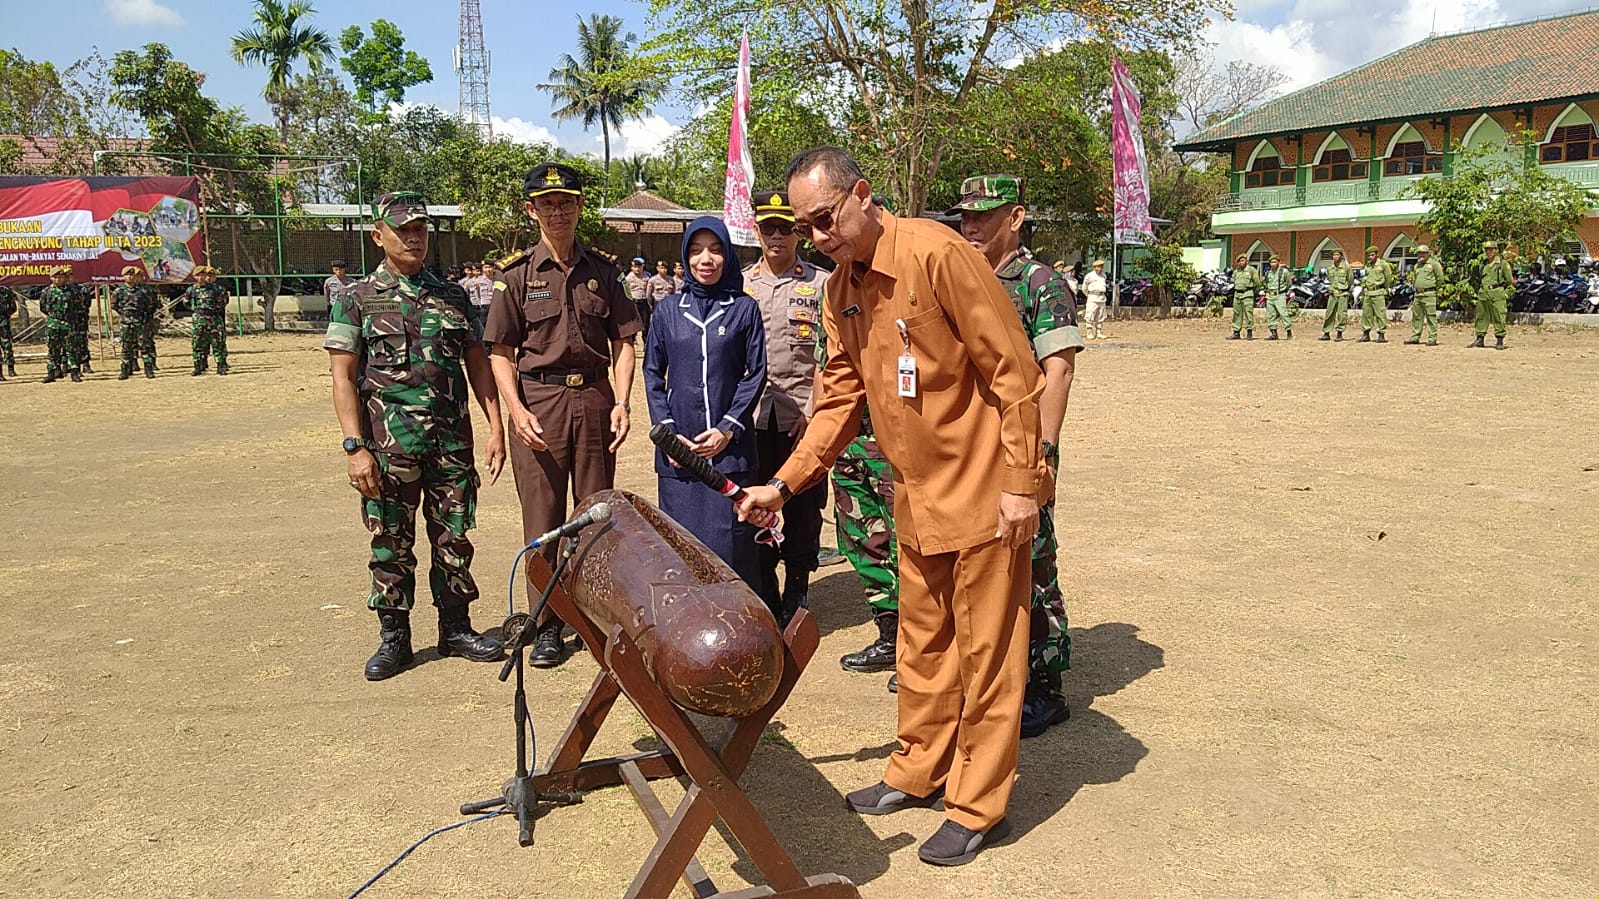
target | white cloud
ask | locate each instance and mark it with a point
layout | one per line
(522, 131)
(1287, 47)
(640, 136)
(141, 12)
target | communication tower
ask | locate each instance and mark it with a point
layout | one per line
(472, 67)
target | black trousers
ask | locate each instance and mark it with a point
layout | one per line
(802, 515)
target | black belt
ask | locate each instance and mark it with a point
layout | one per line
(581, 378)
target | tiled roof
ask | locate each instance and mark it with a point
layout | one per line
(1494, 68)
(643, 199)
(41, 154)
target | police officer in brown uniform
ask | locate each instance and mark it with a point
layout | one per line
(789, 292)
(562, 327)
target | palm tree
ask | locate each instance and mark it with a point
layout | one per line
(279, 40)
(600, 85)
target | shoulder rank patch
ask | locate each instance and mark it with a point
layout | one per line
(608, 257)
(499, 285)
(517, 258)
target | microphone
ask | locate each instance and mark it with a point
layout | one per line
(597, 513)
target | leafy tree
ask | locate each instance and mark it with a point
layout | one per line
(486, 177)
(604, 84)
(280, 39)
(380, 66)
(57, 114)
(1169, 275)
(1495, 193)
(900, 79)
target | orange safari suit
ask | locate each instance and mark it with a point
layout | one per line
(970, 432)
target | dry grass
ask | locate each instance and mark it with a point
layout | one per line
(1333, 610)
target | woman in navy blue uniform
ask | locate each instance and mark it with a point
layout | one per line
(704, 367)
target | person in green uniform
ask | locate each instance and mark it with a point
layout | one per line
(78, 346)
(1495, 281)
(1278, 281)
(135, 301)
(1428, 277)
(992, 214)
(405, 362)
(1246, 284)
(208, 301)
(1340, 280)
(56, 305)
(8, 356)
(1379, 280)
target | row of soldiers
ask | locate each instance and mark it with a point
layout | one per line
(1490, 276)
(66, 307)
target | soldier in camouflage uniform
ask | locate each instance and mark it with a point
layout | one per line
(992, 214)
(403, 355)
(1428, 277)
(56, 305)
(78, 346)
(136, 302)
(1375, 285)
(1494, 281)
(8, 356)
(208, 301)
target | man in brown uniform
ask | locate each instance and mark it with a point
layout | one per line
(958, 418)
(562, 329)
(789, 292)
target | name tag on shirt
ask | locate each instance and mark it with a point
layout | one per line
(907, 375)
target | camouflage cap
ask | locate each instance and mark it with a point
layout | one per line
(400, 207)
(1422, 248)
(552, 178)
(985, 192)
(773, 204)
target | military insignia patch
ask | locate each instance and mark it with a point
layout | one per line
(378, 307)
(805, 290)
(776, 200)
(801, 314)
(552, 178)
(499, 285)
(535, 285)
(540, 294)
(593, 284)
(804, 332)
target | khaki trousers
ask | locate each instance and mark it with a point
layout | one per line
(962, 671)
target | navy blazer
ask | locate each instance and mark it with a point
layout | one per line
(706, 374)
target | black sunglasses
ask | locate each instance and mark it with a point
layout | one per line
(776, 226)
(823, 221)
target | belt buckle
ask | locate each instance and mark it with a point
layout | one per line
(574, 380)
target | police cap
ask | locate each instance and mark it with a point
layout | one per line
(773, 204)
(552, 178)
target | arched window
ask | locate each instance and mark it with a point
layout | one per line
(1571, 138)
(1402, 253)
(1259, 255)
(1266, 169)
(1408, 154)
(1335, 161)
(1485, 132)
(1321, 257)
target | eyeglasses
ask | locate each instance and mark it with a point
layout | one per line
(565, 207)
(776, 226)
(823, 222)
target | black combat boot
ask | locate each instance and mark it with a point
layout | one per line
(549, 650)
(49, 376)
(1288, 333)
(1414, 341)
(199, 369)
(1432, 342)
(1499, 343)
(11, 370)
(456, 637)
(1249, 335)
(395, 651)
(1340, 337)
(149, 369)
(1043, 704)
(1365, 336)
(2, 376)
(77, 376)
(1382, 336)
(1325, 336)
(125, 372)
(1273, 335)
(1476, 343)
(86, 369)
(222, 368)
(1234, 336)
(796, 590)
(879, 654)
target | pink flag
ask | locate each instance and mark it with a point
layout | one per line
(1131, 179)
(737, 212)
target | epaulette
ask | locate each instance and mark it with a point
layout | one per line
(608, 257)
(517, 258)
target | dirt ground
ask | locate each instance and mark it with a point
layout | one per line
(1333, 612)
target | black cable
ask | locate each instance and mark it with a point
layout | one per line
(411, 848)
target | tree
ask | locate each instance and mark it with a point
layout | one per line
(56, 114)
(1206, 96)
(278, 41)
(900, 78)
(380, 66)
(1496, 193)
(604, 83)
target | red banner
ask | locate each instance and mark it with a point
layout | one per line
(97, 226)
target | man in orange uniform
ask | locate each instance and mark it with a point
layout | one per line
(918, 325)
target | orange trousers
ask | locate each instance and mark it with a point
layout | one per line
(962, 672)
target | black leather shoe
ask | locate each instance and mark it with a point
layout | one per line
(1043, 705)
(77, 376)
(953, 844)
(882, 799)
(549, 650)
(1340, 337)
(1499, 343)
(796, 591)
(1365, 337)
(86, 369)
(1476, 343)
(125, 372)
(149, 369)
(1233, 336)
(893, 683)
(1325, 337)
(1432, 343)
(1414, 341)
(1273, 335)
(1382, 337)
(222, 368)
(1288, 333)
(879, 654)
(49, 378)
(1249, 335)
(394, 653)
(198, 370)
(456, 638)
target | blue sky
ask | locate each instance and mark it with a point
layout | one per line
(1307, 39)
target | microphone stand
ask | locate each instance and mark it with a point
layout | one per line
(518, 794)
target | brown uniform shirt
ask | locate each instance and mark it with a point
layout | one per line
(791, 304)
(972, 429)
(561, 318)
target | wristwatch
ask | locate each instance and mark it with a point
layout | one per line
(625, 407)
(351, 444)
(782, 489)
